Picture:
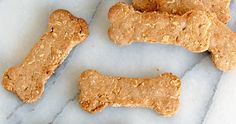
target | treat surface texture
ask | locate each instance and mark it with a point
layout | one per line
(27, 80)
(222, 46)
(98, 91)
(219, 7)
(196, 31)
(190, 30)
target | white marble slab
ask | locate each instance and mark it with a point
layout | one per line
(22, 23)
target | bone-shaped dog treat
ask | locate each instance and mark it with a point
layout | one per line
(129, 25)
(98, 91)
(189, 31)
(222, 46)
(219, 7)
(27, 79)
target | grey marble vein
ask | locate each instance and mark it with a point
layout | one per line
(12, 113)
(191, 67)
(211, 99)
(91, 19)
(63, 108)
(19, 122)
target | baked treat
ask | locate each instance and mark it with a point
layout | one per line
(222, 46)
(27, 79)
(189, 30)
(196, 31)
(219, 7)
(98, 91)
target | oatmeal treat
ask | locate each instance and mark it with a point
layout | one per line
(196, 31)
(189, 30)
(219, 7)
(222, 46)
(27, 79)
(98, 91)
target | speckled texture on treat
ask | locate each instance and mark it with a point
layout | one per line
(98, 91)
(27, 79)
(128, 25)
(189, 30)
(222, 46)
(219, 7)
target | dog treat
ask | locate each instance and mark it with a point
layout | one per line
(98, 91)
(219, 7)
(27, 79)
(197, 31)
(223, 46)
(189, 30)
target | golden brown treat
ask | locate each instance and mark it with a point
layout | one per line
(223, 46)
(219, 7)
(128, 25)
(189, 31)
(98, 91)
(27, 79)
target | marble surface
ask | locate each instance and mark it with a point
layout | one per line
(208, 95)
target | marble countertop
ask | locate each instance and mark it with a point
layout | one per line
(208, 95)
